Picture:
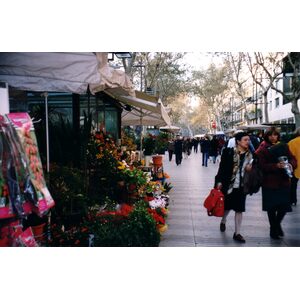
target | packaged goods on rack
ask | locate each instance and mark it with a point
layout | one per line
(38, 193)
(23, 187)
(13, 173)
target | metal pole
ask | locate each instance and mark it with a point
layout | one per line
(47, 130)
(141, 138)
(256, 103)
(141, 118)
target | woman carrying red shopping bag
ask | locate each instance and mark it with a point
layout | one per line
(234, 162)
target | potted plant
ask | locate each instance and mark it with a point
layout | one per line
(161, 143)
(149, 147)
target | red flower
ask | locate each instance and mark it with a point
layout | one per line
(158, 218)
(126, 209)
(131, 187)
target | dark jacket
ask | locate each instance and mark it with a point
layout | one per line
(225, 169)
(273, 177)
(205, 146)
(178, 146)
(171, 146)
(214, 147)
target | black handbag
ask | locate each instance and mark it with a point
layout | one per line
(252, 180)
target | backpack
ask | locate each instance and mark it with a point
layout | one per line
(214, 203)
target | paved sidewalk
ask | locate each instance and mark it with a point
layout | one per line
(189, 225)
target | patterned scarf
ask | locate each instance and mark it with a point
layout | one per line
(236, 166)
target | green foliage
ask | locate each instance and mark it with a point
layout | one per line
(167, 187)
(149, 144)
(102, 164)
(161, 143)
(68, 191)
(136, 230)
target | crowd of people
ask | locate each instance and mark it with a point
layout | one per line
(277, 162)
(182, 147)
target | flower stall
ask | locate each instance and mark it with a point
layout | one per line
(112, 202)
(129, 207)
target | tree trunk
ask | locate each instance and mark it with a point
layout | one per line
(266, 107)
(296, 112)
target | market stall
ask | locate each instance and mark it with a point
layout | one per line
(111, 201)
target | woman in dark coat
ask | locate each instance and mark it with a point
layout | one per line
(205, 146)
(214, 147)
(234, 162)
(178, 150)
(276, 185)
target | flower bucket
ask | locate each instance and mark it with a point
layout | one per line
(162, 228)
(157, 160)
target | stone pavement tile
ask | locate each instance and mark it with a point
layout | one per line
(290, 242)
(172, 243)
(178, 213)
(178, 237)
(178, 220)
(180, 231)
(180, 226)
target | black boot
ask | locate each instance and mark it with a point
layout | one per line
(280, 216)
(273, 225)
(274, 233)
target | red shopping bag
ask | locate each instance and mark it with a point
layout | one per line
(214, 203)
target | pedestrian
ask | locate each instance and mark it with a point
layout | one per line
(178, 150)
(205, 146)
(234, 162)
(185, 148)
(254, 140)
(190, 146)
(214, 148)
(195, 144)
(276, 186)
(171, 149)
(294, 146)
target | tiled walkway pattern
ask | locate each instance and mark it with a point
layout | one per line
(189, 225)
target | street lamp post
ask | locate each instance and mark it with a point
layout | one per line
(256, 100)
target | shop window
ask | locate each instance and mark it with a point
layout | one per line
(276, 102)
(111, 123)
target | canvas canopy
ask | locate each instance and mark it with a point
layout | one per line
(141, 110)
(253, 127)
(170, 128)
(61, 72)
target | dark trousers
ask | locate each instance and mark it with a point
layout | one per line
(178, 157)
(294, 182)
(275, 218)
(170, 155)
(204, 158)
(196, 149)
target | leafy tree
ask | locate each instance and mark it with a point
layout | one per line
(265, 69)
(212, 86)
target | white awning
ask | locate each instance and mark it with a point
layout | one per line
(61, 72)
(170, 128)
(141, 109)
